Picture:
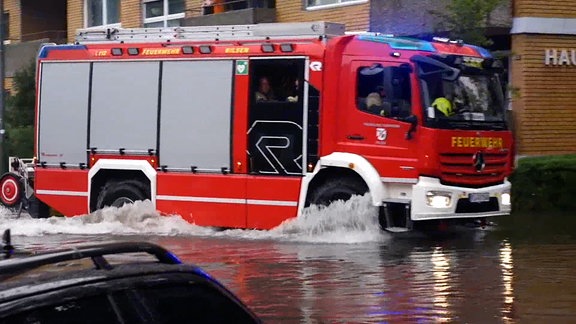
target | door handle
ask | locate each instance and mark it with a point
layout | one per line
(355, 137)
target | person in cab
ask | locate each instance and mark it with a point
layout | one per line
(264, 92)
(375, 104)
(444, 106)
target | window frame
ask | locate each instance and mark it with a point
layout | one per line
(164, 18)
(104, 15)
(337, 4)
(391, 104)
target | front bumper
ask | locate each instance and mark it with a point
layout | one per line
(460, 205)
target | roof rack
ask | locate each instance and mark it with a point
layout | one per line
(210, 33)
(94, 252)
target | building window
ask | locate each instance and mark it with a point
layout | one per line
(6, 26)
(163, 13)
(321, 4)
(102, 12)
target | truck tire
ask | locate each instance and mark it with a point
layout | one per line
(337, 189)
(11, 189)
(116, 194)
(37, 208)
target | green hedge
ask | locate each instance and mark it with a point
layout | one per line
(546, 183)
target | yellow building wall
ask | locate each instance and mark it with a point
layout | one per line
(131, 15)
(544, 100)
(12, 7)
(543, 96)
(544, 8)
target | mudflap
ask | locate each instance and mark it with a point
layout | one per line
(395, 217)
(37, 208)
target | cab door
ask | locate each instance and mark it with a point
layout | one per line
(276, 138)
(379, 121)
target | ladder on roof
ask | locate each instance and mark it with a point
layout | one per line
(210, 33)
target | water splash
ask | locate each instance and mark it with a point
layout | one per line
(353, 221)
(139, 218)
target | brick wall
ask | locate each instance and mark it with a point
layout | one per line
(12, 7)
(75, 12)
(545, 8)
(544, 104)
(131, 13)
(356, 17)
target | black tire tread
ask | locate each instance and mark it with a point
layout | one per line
(113, 189)
(347, 185)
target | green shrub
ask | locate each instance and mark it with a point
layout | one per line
(544, 183)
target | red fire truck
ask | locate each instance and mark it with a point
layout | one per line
(244, 126)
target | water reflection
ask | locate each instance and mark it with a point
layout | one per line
(442, 288)
(354, 274)
(466, 279)
(507, 266)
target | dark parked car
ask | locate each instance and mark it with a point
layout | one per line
(85, 285)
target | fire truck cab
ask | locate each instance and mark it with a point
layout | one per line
(245, 126)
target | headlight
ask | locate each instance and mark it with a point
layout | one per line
(438, 199)
(505, 198)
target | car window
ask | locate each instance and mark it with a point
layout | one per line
(193, 303)
(94, 309)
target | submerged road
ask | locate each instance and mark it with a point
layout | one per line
(336, 267)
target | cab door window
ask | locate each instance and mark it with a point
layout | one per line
(276, 123)
(384, 91)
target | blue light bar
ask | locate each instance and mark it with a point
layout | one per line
(46, 49)
(482, 51)
(400, 43)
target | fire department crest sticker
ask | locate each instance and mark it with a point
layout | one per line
(381, 134)
(241, 67)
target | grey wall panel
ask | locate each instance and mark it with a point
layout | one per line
(63, 112)
(124, 105)
(196, 114)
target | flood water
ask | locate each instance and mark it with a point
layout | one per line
(336, 266)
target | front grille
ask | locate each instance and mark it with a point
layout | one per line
(465, 206)
(458, 169)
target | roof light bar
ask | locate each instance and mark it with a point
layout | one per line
(187, 49)
(117, 51)
(268, 48)
(286, 48)
(205, 49)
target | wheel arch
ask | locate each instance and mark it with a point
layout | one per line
(109, 169)
(343, 165)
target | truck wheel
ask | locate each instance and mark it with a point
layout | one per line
(37, 208)
(337, 189)
(11, 190)
(117, 194)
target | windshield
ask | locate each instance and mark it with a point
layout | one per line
(469, 98)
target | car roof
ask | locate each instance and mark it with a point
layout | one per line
(86, 265)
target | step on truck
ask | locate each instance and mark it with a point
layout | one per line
(244, 126)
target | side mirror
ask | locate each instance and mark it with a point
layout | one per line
(413, 120)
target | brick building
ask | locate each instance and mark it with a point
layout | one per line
(543, 69)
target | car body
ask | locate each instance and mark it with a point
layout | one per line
(80, 285)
